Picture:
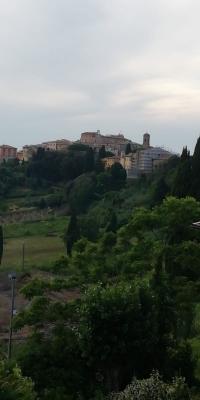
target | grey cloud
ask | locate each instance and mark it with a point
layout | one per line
(118, 65)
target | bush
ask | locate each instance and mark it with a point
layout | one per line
(13, 385)
(154, 388)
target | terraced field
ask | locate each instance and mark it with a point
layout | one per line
(42, 242)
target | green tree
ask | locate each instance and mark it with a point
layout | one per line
(72, 233)
(13, 386)
(82, 192)
(183, 178)
(195, 170)
(102, 152)
(118, 176)
(54, 362)
(118, 173)
(160, 192)
(117, 334)
(128, 148)
(154, 388)
(89, 160)
(1, 243)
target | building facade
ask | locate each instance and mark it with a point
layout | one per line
(112, 143)
(27, 152)
(143, 160)
(148, 158)
(7, 152)
(57, 145)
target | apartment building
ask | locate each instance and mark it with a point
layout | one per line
(148, 158)
(7, 152)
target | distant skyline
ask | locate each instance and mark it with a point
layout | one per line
(129, 66)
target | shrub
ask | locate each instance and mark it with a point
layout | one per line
(154, 388)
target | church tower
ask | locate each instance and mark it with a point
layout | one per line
(146, 140)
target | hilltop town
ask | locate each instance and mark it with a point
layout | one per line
(135, 158)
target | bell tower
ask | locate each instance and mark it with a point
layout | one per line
(146, 140)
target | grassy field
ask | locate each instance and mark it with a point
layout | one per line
(43, 243)
(53, 226)
(39, 252)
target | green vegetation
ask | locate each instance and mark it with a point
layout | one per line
(1, 244)
(40, 252)
(50, 227)
(117, 316)
(138, 319)
(42, 240)
(13, 386)
(154, 388)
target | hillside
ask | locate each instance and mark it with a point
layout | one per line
(108, 284)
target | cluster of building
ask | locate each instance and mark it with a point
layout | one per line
(28, 151)
(141, 158)
(112, 143)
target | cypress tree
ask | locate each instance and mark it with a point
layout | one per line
(196, 171)
(185, 154)
(160, 192)
(102, 152)
(89, 160)
(183, 179)
(1, 243)
(128, 148)
(72, 234)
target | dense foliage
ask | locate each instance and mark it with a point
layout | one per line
(139, 318)
(133, 264)
(13, 386)
(154, 388)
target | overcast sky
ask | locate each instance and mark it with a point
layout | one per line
(130, 66)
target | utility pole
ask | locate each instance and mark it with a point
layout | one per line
(23, 255)
(12, 278)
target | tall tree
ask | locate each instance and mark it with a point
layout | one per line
(118, 173)
(183, 178)
(89, 160)
(196, 170)
(102, 152)
(72, 234)
(160, 191)
(1, 243)
(128, 148)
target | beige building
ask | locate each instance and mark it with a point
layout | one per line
(57, 145)
(109, 161)
(127, 161)
(27, 152)
(7, 152)
(20, 155)
(112, 143)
